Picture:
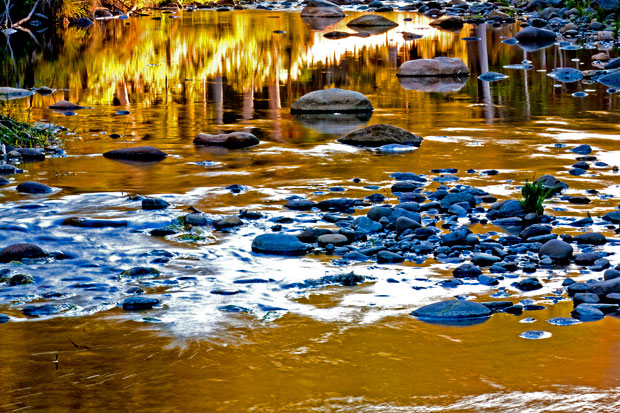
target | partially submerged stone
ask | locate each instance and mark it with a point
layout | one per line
(453, 312)
(370, 20)
(30, 187)
(439, 66)
(448, 22)
(322, 8)
(332, 100)
(17, 252)
(11, 93)
(139, 153)
(279, 244)
(235, 140)
(380, 134)
(535, 35)
(65, 105)
(139, 303)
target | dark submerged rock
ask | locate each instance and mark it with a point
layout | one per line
(529, 284)
(139, 153)
(139, 303)
(466, 271)
(40, 310)
(93, 223)
(154, 204)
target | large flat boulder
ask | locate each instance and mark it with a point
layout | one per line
(279, 244)
(139, 153)
(453, 312)
(332, 100)
(323, 9)
(235, 140)
(10, 93)
(439, 66)
(378, 135)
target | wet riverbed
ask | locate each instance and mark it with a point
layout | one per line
(275, 345)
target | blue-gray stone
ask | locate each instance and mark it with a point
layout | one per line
(613, 217)
(585, 312)
(30, 187)
(582, 149)
(566, 75)
(453, 312)
(40, 310)
(492, 76)
(484, 260)
(388, 257)
(466, 271)
(557, 249)
(563, 321)
(279, 244)
(139, 303)
(529, 284)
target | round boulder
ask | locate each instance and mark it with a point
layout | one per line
(332, 100)
(377, 135)
(557, 249)
(17, 252)
(235, 140)
(448, 23)
(439, 66)
(453, 312)
(279, 244)
(533, 34)
(30, 187)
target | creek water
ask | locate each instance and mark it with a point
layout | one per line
(277, 347)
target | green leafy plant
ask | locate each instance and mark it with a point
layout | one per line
(534, 196)
(23, 135)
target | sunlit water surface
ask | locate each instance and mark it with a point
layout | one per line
(331, 348)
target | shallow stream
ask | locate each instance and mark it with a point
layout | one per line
(273, 346)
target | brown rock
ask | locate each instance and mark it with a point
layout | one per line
(65, 105)
(439, 66)
(235, 140)
(380, 134)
